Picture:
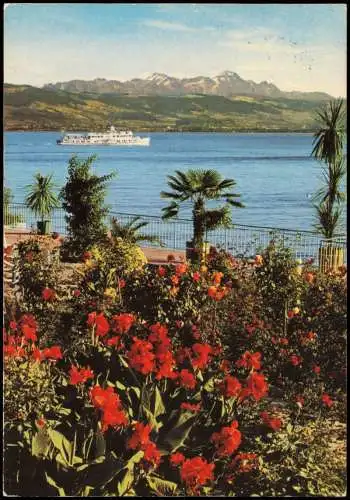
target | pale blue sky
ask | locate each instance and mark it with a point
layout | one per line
(295, 46)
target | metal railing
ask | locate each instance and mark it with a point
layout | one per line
(240, 240)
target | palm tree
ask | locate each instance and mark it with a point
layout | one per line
(129, 231)
(199, 186)
(41, 198)
(328, 147)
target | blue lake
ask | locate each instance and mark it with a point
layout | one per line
(275, 173)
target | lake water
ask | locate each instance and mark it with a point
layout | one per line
(275, 173)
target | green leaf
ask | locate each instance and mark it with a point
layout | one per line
(209, 386)
(120, 386)
(125, 484)
(62, 444)
(178, 434)
(53, 483)
(122, 361)
(161, 486)
(157, 403)
(40, 444)
(151, 418)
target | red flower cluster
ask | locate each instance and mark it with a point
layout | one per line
(176, 459)
(109, 403)
(161, 271)
(196, 276)
(201, 355)
(227, 440)
(230, 387)
(257, 386)
(244, 462)
(53, 352)
(316, 369)
(140, 441)
(250, 361)
(100, 322)
(180, 269)
(141, 357)
(48, 294)
(295, 360)
(28, 326)
(195, 472)
(123, 322)
(164, 360)
(78, 377)
(274, 423)
(186, 379)
(326, 399)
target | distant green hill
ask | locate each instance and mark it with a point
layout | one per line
(31, 108)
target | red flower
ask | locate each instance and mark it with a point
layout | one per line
(230, 387)
(159, 334)
(191, 407)
(76, 293)
(161, 271)
(141, 356)
(13, 325)
(257, 385)
(201, 358)
(114, 341)
(87, 255)
(78, 377)
(212, 291)
(196, 276)
(187, 379)
(140, 438)
(316, 369)
(40, 423)
(327, 400)
(123, 322)
(176, 459)
(48, 294)
(179, 324)
(37, 355)
(274, 423)
(152, 454)
(29, 332)
(109, 402)
(295, 360)
(227, 440)
(100, 322)
(113, 416)
(174, 279)
(284, 341)
(250, 360)
(195, 472)
(53, 352)
(180, 269)
(217, 276)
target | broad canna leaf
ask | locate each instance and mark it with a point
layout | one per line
(126, 483)
(62, 444)
(157, 405)
(151, 418)
(40, 444)
(170, 441)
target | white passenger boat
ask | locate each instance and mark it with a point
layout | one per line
(111, 138)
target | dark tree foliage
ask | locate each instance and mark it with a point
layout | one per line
(83, 200)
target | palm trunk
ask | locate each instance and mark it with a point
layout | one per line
(198, 224)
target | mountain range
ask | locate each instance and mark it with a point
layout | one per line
(226, 84)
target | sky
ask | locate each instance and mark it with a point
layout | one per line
(298, 47)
